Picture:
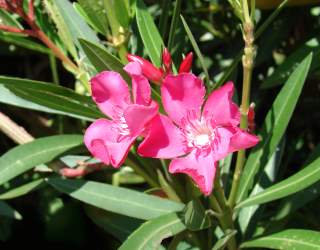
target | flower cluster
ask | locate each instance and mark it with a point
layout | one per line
(195, 133)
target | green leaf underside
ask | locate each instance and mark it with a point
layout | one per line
(289, 239)
(24, 157)
(116, 199)
(274, 127)
(150, 234)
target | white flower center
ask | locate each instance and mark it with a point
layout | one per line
(201, 140)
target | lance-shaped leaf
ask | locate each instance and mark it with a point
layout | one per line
(9, 212)
(274, 127)
(24, 157)
(149, 33)
(289, 239)
(304, 178)
(150, 234)
(53, 97)
(116, 199)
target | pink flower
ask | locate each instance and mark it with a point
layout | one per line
(202, 135)
(110, 140)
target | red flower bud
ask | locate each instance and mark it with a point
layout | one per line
(251, 117)
(148, 69)
(166, 60)
(186, 63)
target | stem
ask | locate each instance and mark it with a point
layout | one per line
(247, 63)
(219, 203)
(13, 130)
(141, 172)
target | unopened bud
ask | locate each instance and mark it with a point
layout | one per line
(186, 63)
(148, 69)
(166, 60)
(251, 118)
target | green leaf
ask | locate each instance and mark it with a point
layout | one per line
(119, 226)
(174, 22)
(8, 20)
(223, 241)
(23, 42)
(52, 96)
(281, 73)
(248, 216)
(274, 127)
(121, 9)
(288, 239)
(298, 200)
(62, 27)
(101, 59)
(7, 211)
(95, 13)
(77, 26)
(195, 217)
(22, 190)
(116, 199)
(149, 33)
(150, 234)
(304, 178)
(24, 157)
(195, 47)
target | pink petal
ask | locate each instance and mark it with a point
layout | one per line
(95, 137)
(221, 145)
(109, 90)
(140, 85)
(180, 94)
(118, 151)
(242, 140)
(138, 116)
(220, 107)
(164, 140)
(201, 168)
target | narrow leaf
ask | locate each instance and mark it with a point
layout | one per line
(149, 33)
(304, 178)
(116, 199)
(274, 127)
(150, 234)
(7, 211)
(52, 96)
(22, 190)
(101, 59)
(223, 241)
(24, 157)
(289, 239)
(195, 47)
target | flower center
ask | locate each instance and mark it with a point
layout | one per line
(198, 132)
(119, 123)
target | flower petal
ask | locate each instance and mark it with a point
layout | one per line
(201, 168)
(221, 145)
(164, 140)
(118, 151)
(141, 90)
(220, 107)
(95, 137)
(137, 117)
(109, 90)
(180, 94)
(242, 140)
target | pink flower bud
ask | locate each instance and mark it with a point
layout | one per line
(186, 63)
(166, 60)
(148, 69)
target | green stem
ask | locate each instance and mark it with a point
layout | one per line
(247, 62)
(219, 203)
(141, 172)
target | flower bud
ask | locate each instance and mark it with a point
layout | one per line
(148, 69)
(186, 63)
(251, 117)
(166, 60)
